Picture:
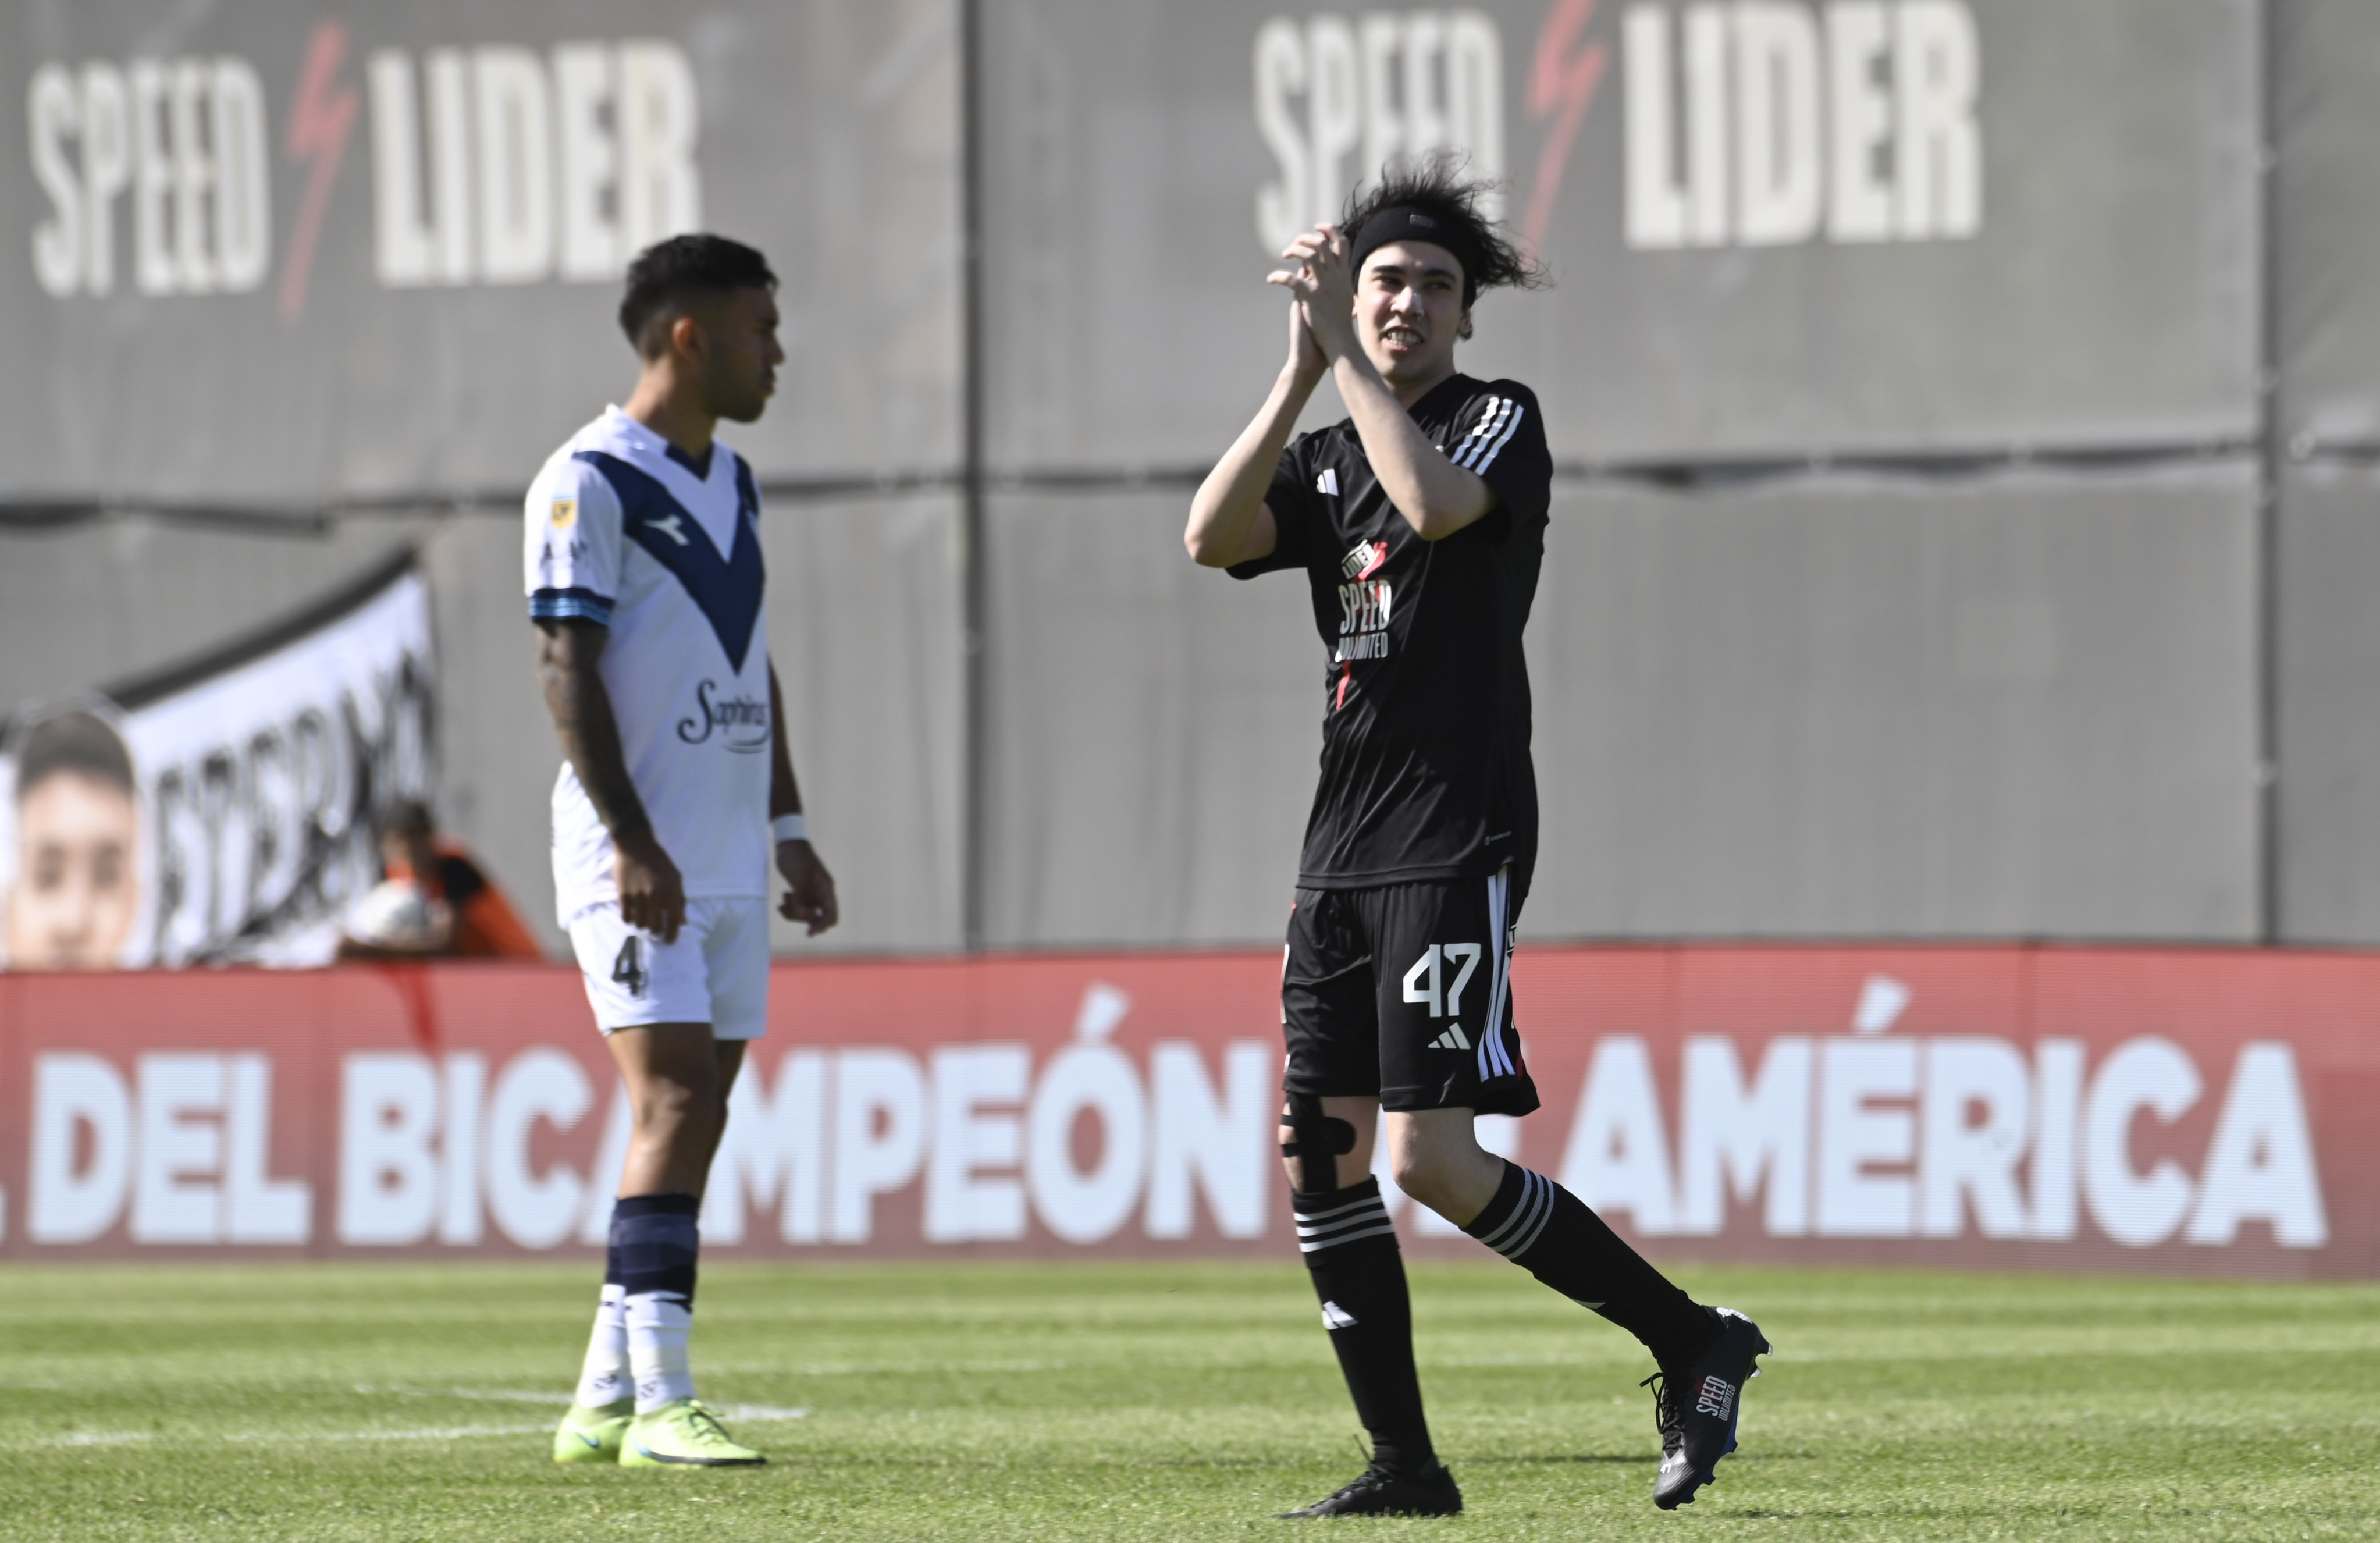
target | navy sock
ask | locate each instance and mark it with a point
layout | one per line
(1359, 1276)
(1548, 1231)
(654, 1244)
(611, 1248)
(655, 1238)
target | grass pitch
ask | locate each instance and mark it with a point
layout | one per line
(1161, 1402)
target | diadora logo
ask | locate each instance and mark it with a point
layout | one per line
(1363, 559)
(741, 723)
(1336, 1316)
(1716, 1398)
(671, 525)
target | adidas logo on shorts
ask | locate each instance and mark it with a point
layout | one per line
(1453, 1039)
(1716, 1398)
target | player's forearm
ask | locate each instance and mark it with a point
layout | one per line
(784, 792)
(1436, 497)
(590, 734)
(590, 742)
(1228, 503)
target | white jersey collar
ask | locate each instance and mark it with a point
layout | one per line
(624, 436)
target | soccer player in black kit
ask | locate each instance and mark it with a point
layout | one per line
(1419, 523)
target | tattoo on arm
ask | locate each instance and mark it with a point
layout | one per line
(566, 656)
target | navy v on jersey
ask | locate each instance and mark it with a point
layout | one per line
(621, 531)
(1425, 768)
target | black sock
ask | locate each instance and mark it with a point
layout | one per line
(1548, 1231)
(1359, 1275)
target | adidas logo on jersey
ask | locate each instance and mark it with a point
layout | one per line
(1453, 1039)
(1327, 482)
(1336, 1316)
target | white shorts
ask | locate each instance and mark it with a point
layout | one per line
(716, 973)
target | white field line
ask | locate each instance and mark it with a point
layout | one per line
(755, 1414)
(488, 1395)
(426, 1433)
(760, 1413)
(532, 1395)
(909, 1368)
(423, 1433)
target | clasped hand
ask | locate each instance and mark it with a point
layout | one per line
(1322, 320)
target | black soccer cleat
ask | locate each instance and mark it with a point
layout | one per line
(1697, 1405)
(1381, 1490)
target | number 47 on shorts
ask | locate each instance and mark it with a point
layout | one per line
(1444, 1000)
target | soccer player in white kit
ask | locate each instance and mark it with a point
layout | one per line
(645, 580)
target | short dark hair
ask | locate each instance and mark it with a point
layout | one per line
(409, 817)
(667, 274)
(1435, 188)
(82, 743)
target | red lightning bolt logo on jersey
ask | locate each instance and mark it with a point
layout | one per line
(1364, 559)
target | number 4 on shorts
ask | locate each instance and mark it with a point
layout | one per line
(629, 969)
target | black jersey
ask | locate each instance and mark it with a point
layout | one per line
(1426, 770)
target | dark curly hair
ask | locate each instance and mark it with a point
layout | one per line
(668, 274)
(1438, 191)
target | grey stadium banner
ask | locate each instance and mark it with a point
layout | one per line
(2008, 705)
(2328, 707)
(269, 252)
(1842, 705)
(1777, 228)
(2327, 193)
(274, 252)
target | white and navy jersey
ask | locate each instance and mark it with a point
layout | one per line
(1425, 767)
(622, 532)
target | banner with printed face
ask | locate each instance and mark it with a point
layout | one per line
(1777, 228)
(1992, 1107)
(225, 810)
(272, 253)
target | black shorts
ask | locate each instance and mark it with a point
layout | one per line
(1404, 992)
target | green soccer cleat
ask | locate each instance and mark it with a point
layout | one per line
(682, 1435)
(592, 1435)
